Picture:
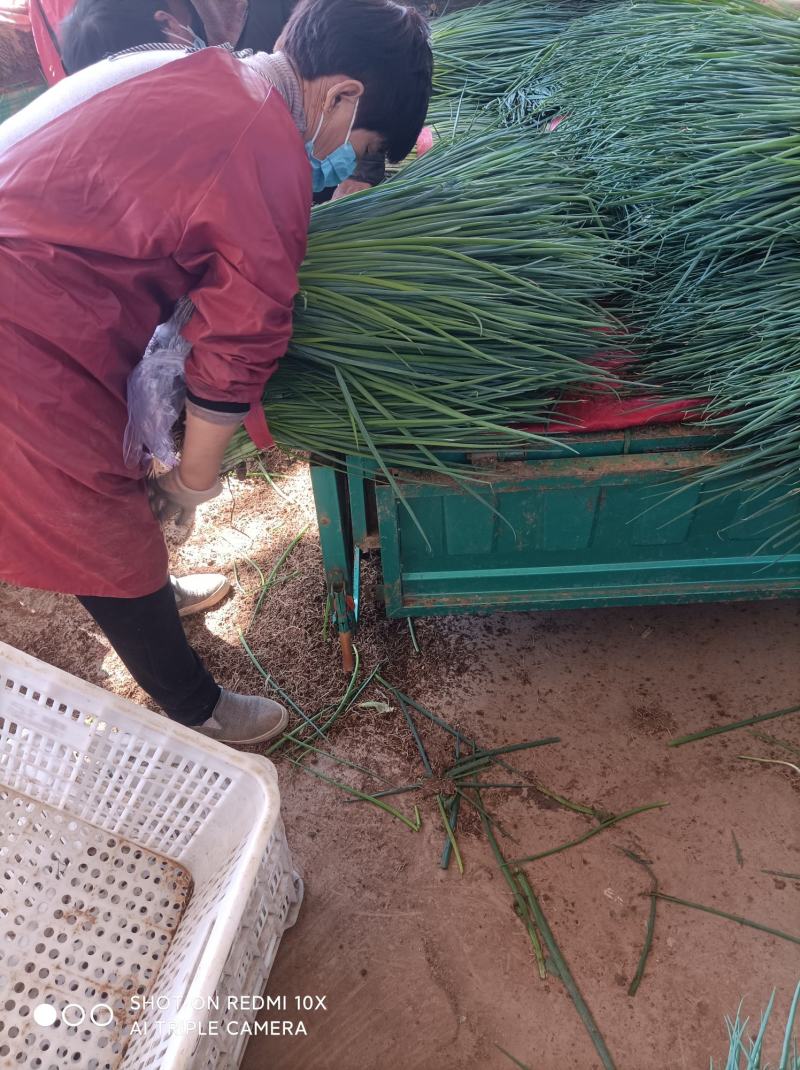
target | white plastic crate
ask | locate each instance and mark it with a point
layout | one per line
(138, 861)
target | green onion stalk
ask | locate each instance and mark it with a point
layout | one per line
(443, 307)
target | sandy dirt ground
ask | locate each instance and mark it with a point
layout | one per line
(421, 968)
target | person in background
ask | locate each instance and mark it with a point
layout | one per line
(162, 172)
(95, 29)
(243, 24)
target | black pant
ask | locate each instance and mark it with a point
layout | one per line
(148, 636)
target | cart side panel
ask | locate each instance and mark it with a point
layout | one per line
(630, 528)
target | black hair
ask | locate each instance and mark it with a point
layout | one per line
(98, 28)
(380, 43)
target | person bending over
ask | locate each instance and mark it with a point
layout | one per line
(160, 173)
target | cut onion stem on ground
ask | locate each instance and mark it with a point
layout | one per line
(421, 709)
(402, 790)
(537, 944)
(453, 811)
(426, 765)
(450, 834)
(521, 904)
(475, 802)
(588, 835)
(512, 1058)
(327, 718)
(269, 477)
(534, 784)
(351, 695)
(414, 825)
(729, 917)
(781, 744)
(638, 977)
(268, 582)
(569, 981)
(737, 850)
(278, 690)
(770, 761)
(481, 756)
(449, 843)
(721, 729)
(490, 785)
(343, 761)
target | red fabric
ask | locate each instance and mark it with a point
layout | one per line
(15, 13)
(598, 408)
(425, 141)
(188, 178)
(46, 17)
(587, 415)
(255, 424)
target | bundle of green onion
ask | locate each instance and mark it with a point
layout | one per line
(486, 47)
(686, 111)
(685, 114)
(481, 51)
(733, 340)
(445, 305)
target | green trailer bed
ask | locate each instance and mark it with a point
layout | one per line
(594, 521)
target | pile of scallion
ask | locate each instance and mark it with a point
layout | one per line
(480, 52)
(445, 305)
(486, 46)
(465, 295)
(685, 115)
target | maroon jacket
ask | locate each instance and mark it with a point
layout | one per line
(126, 186)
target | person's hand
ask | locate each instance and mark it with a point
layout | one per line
(171, 499)
(350, 185)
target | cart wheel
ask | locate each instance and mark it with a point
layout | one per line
(348, 654)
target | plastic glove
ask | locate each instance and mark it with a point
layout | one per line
(171, 499)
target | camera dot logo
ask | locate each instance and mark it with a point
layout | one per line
(44, 1014)
(100, 1015)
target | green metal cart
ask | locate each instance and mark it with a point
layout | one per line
(592, 521)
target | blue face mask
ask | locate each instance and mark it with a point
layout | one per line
(337, 165)
(191, 40)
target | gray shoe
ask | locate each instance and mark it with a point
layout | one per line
(200, 591)
(244, 719)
